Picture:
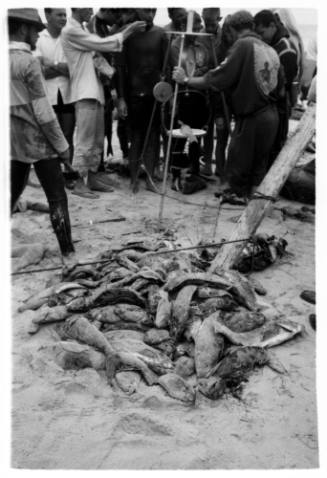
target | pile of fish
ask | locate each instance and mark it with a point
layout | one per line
(145, 311)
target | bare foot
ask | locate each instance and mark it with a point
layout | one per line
(135, 186)
(96, 184)
(80, 189)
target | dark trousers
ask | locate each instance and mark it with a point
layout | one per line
(181, 160)
(139, 114)
(66, 117)
(50, 176)
(108, 108)
(250, 148)
(123, 136)
(192, 109)
(281, 136)
(218, 122)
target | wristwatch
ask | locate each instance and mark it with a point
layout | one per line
(186, 80)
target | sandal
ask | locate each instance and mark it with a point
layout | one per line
(232, 198)
(86, 195)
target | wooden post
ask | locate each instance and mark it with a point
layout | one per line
(270, 186)
(170, 136)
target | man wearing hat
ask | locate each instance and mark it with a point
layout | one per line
(35, 135)
(251, 74)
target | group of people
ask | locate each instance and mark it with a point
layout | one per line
(237, 82)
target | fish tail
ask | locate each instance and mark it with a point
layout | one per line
(111, 365)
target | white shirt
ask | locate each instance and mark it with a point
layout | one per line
(79, 45)
(51, 49)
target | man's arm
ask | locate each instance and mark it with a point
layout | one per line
(228, 72)
(199, 83)
(43, 111)
(49, 68)
(221, 78)
(52, 70)
(288, 59)
(85, 41)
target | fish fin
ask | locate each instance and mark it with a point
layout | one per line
(34, 327)
(275, 364)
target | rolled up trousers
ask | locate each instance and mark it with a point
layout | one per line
(89, 139)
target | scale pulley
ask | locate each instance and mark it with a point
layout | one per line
(162, 91)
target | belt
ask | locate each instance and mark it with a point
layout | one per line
(257, 112)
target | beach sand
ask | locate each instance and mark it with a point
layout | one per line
(74, 420)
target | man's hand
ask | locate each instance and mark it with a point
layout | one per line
(133, 28)
(62, 68)
(122, 108)
(179, 75)
(52, 70)
(65, 156)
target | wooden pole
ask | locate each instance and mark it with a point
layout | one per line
(173, 112)
(270, 187)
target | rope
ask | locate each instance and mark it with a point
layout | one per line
(204, 246)
(183, 201)
(259, 195)
(56, 268)
(104, 261)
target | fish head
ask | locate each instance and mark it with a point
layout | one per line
(77, 305)
(212, 387)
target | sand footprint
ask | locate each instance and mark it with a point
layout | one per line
(137, 423)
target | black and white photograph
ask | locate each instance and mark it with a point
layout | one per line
(161, 216)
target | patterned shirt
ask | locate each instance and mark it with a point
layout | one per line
(250, 73)
(34, 129)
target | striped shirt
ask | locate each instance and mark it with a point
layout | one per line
(35, 133)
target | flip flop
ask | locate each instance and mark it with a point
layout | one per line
(312, 320)
(210, 178)
(309, 296)
(86, 194)
(231, 198)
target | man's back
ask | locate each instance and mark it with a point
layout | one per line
(250, 73)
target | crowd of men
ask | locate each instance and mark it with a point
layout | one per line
(69, 77)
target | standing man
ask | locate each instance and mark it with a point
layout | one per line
(211, 18)
(193, 110)
(273, 32)
(55, 70)
(88, 95)
(35, 134)
(101, 24)
(144, 57)
(250, 73)
(177, 17)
